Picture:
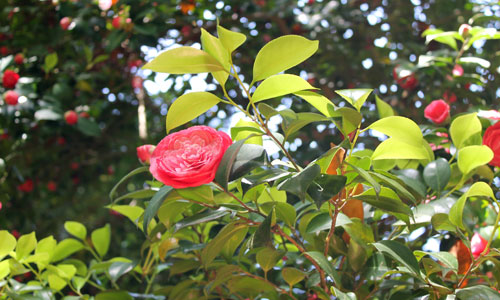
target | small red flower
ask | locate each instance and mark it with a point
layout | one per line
(16, 234)
(117, 22)
(19, 58)
(11, 97)
(463, 30)
(52, 186)
(457, 71)
(477, 245)
(4, 50)
(10, 79)
(65, 23)
(26, 186)
(438, 111)
(144, 153)
(71, 117)
(136, 82)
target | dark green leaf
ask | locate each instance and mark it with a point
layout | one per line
(263, 236)
(437, 173)
(117, 269)
(299, 183)
(366, 176)
(226, 164)
(88, 127)
(203, 217)
(412, 179)
(327, 266)
(132, 173)
(249, 157)
(400, 253)
(140, 194)
(477, 292)
(215, 246)
(155, 204)
(323, 221)
(394, 183)
(387, 200)
(325, 187)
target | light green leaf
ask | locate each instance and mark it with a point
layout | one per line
(50, 62)
(400, 128)
(400, 253)
(45, 246)
(56, 282)
(386, 200)
(480, 189)
(7, 243)
(447, 38)
(477, 292)
(393, 148)
(189, 106)
(323, 221)
(280, 85)
(215, 246)
(117, 269)
(355, 97)
(101, 239)
(384, 109)
(184, 60)
(464, 127)
(471, 157)
(281, 54)
(268, 257)
(133, 213)
(214, 47)
(77, 229)
(475, 60)
(25, 245)
(445, 257)
(343, 296)
(320, 102)
(292, 276)
(65, 248)
(4, 269)
(230, 39)
(243, 129)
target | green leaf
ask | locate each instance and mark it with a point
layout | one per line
(45, 246)
(394, 183)
(184, 60)
(437, 174)
(471, 157)
(233, 161)
(113, 295)
(202, 193)
(320, 102)
(132, 173)
(170, 211)
(7, 243)
(4, 269)
(77, 229)
(327, 266)
(386, 200)
(299, 183)
(323, 221)
(232, 244)
(355, 97)
(446, 258)
(101, 238)
(281, 54)
(88, 127)
(400, 253)
(343, 296)
(463, 128)
(477, 292)
(203, 217)
(47, 114)
(266, 110)
(325, 187)
(284, 211)
(215, 246)
(447, 38)
(280, 85)
(25, 245)
(384, 109)
(262, 236)
(350, 119)
(65, 248)
(400, 128)
(50, 62)
(56, 282)
(133, 213)
(292, 276)
(267, 258)
(118, 269)
(293, 122)
(413, 180)
(230, 39)
(189, 106)
(139, 194)
(441, 221)
(475, 60)
(393, 148)
(478, 189)
(154, 205)
(215, 48)
(243, 129)
(366, 176)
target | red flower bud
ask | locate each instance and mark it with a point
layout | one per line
(144, 153)
(51, 186)
(464, 30)
(26, 186)
(477, 245)
(437, 111)
(117, 23)
(449, 97)
(11, 97)
(10, 79)
(65, 23)
(19, 58)
(71, 117)
(457, 71)
(136, 82)
(4, 50)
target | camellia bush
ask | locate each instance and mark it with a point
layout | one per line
(223, 220)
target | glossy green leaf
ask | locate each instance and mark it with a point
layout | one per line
(133, 213)
(393, 148)
(383, 108)
(113, 295)
(478, 189)
(446, 258)
(320, 102)
(189, 106)
(76, 229)
(124, 178)
(327, 266)
(56, 282)
(299, 183)
(155, 204)
(355, 97)
(412, 179)
(25, 245)
(4, 269)
(7, 243)
(463, 128)
(296, 121)
(263, 236)
(65, 248)
(50, 62)
(366, 176)
(267, 258)
(400, 128)
(200, 218)
(101, 238)
(284, 211)
(202, 193)
(399, 252)
(266, 110)
(323, 221)
(471, 157)
(350, 119)
(215, 246)
(475, 60)
(184, 60)
(88, 127)
(447, 38)
(441, 221)
(281, 54)
(170, 211)
(45, 246)
(280, 85)
(230, 39)
(357, 255)
(226, 164)
(118, 269)
(139, 194)
(437, 174)
(215, 48)
(232, 243)
(343, 296)
(292, 276)
(386, 200)
(394, 183)
(477, 292)
(243, 129)
(325, 187)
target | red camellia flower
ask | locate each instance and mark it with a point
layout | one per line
(26, 186)
(65, 22)
(477, 245)
(10, 79)
(11, 97)
(144, 153)
(449, 97)
(19, 58)
(438, 111)
(71, 117)
(457, 70)
(4, 50)
(491, 139)
(51, 186)
(189, 157)
(117, 23)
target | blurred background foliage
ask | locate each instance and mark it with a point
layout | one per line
(86, 55)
